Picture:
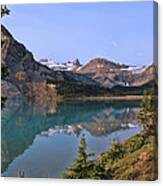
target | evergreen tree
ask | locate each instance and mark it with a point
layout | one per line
(148, 112)
(83, 166)
(4, 10)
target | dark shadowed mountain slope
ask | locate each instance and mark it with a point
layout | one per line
(30, 77)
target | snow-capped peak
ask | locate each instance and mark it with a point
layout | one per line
(67, 66)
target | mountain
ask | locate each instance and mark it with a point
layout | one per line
(24, 72)
(36, 81)
(110, 74)
(68, 66)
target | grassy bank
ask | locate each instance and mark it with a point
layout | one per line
(135, 159)
(103, 98)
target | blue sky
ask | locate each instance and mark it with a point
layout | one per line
(119, 31)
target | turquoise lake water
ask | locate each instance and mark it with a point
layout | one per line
(42, 140)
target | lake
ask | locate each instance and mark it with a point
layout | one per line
(42, 140)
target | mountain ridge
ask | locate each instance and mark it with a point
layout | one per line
(33, 79)
(110, 74)
(29, 76)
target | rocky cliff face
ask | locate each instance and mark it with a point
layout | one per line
(30, 77)
(110, 74)
(24, 72)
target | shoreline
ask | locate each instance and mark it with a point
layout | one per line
(103, 98)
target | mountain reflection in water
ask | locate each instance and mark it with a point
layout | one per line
(26, 127)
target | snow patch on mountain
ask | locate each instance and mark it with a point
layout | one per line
(135, 69)
(67, 66)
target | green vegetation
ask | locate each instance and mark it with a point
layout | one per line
(121, 90)
(133, 159)
(4, 75)
(148, 113)
(4, 72)
(71, 89)
(84, 167)
(4, 10)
